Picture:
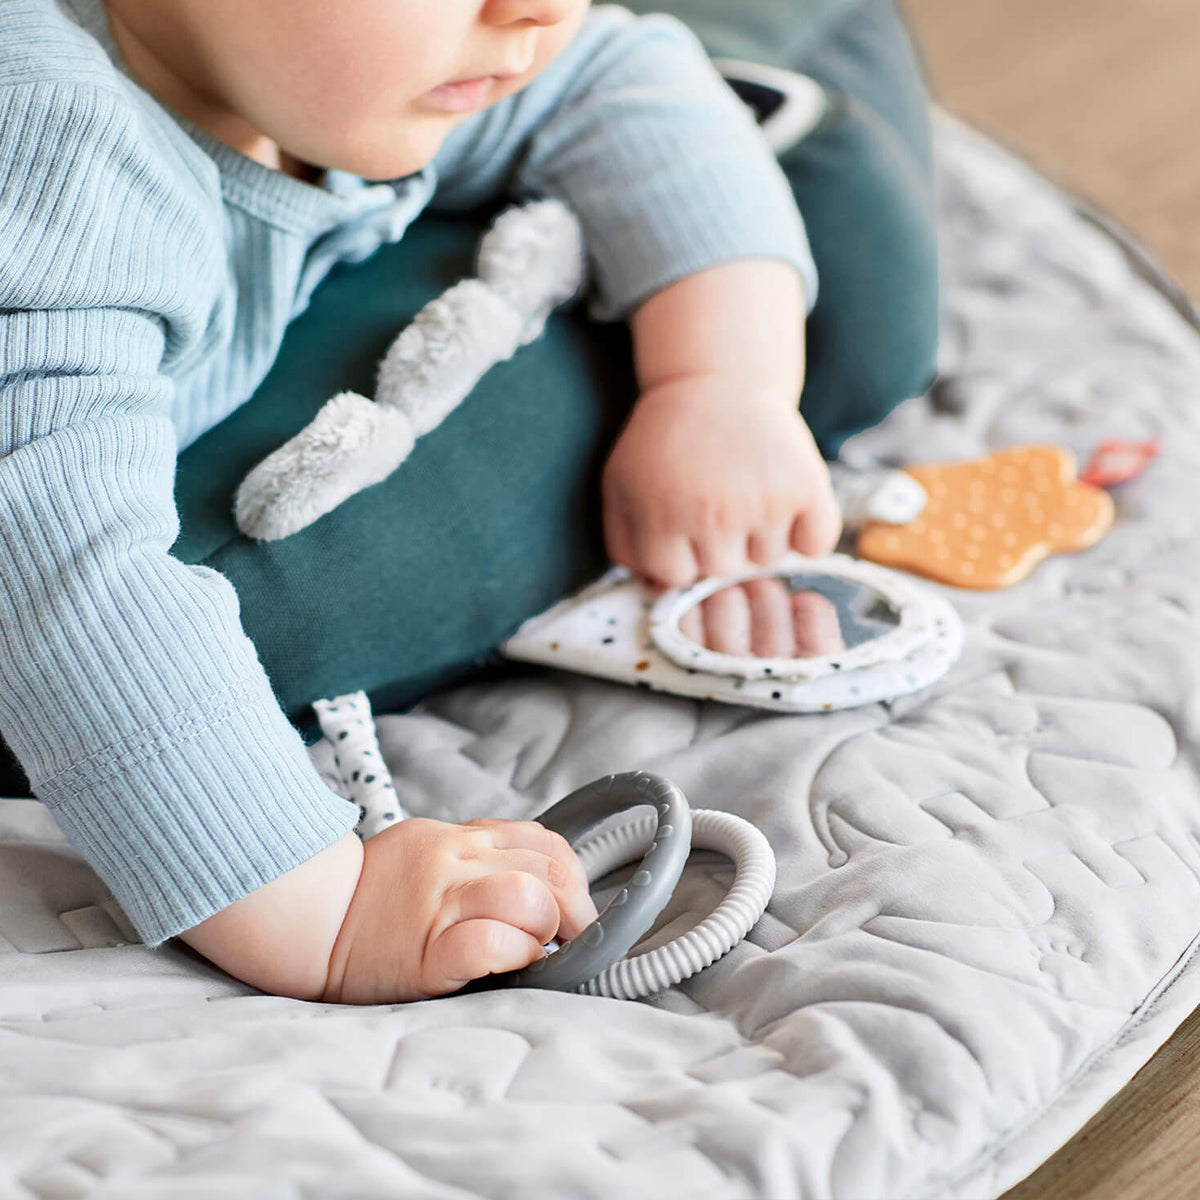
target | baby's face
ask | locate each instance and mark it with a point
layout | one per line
(352, 84)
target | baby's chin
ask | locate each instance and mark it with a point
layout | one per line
(390, 154)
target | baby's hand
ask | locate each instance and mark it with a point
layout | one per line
(438, 905)
(707, 479)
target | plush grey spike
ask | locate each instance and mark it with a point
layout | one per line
(350, 444)
(453, 341)
(530, 261)
(534, 257)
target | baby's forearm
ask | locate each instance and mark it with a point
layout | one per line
(743, 320)
(280, 937)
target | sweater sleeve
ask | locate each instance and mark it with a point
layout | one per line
(128, 690)
(635, 129)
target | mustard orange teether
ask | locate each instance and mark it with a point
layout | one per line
(990, 521)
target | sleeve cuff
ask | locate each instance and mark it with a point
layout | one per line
(716, 207)
(680, 179)
(622, 288)
(186, 819)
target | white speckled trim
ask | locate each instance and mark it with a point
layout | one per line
(604, 630)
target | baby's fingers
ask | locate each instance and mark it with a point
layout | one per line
(566, 884)
(547, 856)
(721, 554)
(514, 897)
(472, 949)
(663, 558)
(727, 627)
(770, 618)
(816, 530)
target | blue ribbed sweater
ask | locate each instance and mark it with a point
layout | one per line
(147, 274)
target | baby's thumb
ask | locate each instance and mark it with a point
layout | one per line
(816, 530)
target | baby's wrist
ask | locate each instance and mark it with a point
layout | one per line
(726, 390)
(280, 937)
(743, 321)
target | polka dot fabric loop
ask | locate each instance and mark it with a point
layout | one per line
(347, 723)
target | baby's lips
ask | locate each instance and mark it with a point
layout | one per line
(990, 521)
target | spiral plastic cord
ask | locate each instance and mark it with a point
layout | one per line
(656, 970)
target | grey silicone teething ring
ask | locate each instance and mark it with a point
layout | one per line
(631, 912)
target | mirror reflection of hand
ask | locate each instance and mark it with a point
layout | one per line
(762, 618)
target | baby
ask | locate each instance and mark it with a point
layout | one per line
(177, 177)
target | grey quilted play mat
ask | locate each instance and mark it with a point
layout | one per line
(988, 896)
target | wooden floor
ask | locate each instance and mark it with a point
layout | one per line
(1104, 97)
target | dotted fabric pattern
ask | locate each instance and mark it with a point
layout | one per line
(988, 898)
(360, 772)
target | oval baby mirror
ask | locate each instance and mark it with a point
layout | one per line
(809, 635)
(835, 630)
(785, 616)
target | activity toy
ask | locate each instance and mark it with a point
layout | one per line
(595, 962)
(841, 633)
(988, 522)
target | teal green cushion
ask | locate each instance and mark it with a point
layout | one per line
(336, 345)
(779, 33)
(493, 516)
